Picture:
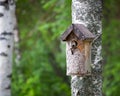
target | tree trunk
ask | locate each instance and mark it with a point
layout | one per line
(89, 13)
(7, 27)
(17, 46)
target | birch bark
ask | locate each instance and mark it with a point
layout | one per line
(89, 13)
(7, 26)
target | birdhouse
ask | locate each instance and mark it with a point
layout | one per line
(78, 49)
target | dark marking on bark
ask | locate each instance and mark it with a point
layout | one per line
(15, 28)
(8, 46)
(5, 4)
(10, 23)
(11, 2)
(2, 3)
(6, 33)
(9, 87)
(3, 38)
(3, 54)
(78, 94)
(1, 14)
(9, 76)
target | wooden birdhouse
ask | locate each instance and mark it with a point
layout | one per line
(78, 49)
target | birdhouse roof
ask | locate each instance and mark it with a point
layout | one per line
(79, 30)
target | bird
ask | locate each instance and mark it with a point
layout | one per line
(73, 46)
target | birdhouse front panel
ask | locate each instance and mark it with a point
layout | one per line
(75, 56)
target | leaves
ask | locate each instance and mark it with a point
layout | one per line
(40, 27)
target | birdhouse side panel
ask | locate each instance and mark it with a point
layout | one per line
(88, 57)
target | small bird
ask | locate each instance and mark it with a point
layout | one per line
(73, 46)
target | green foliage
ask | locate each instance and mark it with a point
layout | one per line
(42, 67)
(112, 58)
(111, 45)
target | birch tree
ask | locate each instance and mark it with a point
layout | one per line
(88, 13)
(16, 45)
(7, 27)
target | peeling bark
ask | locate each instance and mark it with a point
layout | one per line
(7, 24)
(89, 13)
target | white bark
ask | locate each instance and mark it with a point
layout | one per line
(7, 24)
(88, 13)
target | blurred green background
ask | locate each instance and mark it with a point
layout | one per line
(41, 69)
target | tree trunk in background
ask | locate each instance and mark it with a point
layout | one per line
(17, 46)
(89, 13)
(7, 27)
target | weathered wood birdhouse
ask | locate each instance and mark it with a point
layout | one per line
(78, 49)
